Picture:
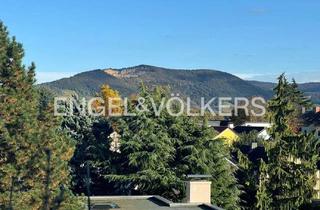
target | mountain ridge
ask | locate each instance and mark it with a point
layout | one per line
(195, 83)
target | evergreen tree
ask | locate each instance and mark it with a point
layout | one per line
(26, 135)
(92, 150)
(299, 103)
(287, 179)
(146, 150)
(264, 198)
(160, 151)
(248, 160)
(198, 153)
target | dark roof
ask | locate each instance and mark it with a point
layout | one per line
(219, 129)
(224, 122)
(254, 154)
(143, 203)
(247, 129)
(311, 117)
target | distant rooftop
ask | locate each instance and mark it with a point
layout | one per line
(311, 117)
(144, 203)
(247, 129)
(219, 129)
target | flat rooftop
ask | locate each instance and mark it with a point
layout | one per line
(143, 203)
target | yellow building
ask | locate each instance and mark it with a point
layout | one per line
(227, 134)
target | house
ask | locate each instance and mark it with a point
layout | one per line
(311, 122)
(261, 131)
(198, 197)
(227, 134)
(148, 202)
(231, 133)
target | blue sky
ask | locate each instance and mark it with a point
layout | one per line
(254, 39)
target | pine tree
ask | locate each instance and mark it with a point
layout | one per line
(25, 135)
(288, 177)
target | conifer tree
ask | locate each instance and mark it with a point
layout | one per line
(249, 167)
(160, 151)
(25, 135)
(91, 135)
(146, 150)
(299, 103)
(225, 192)
(264, 199)
(197, 152)
(288, 176)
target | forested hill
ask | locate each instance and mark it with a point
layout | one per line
(310, 89)
(193, 83)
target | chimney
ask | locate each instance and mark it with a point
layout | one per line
(198, 191)
(231, 125)
(317, 109)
